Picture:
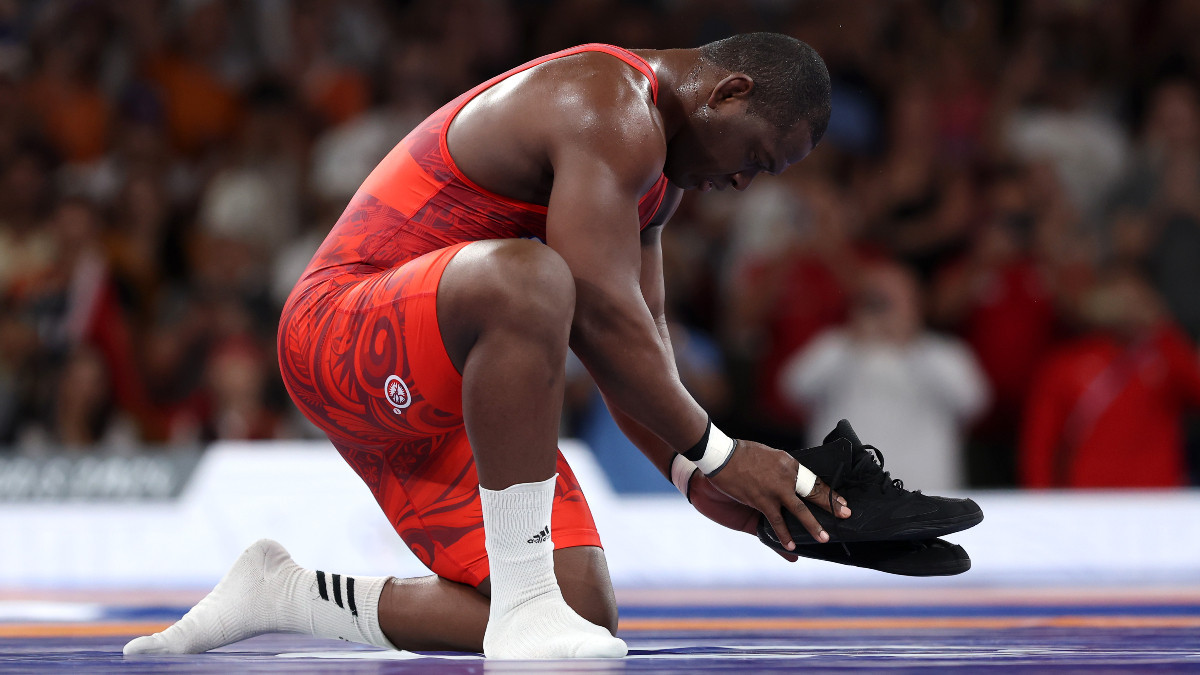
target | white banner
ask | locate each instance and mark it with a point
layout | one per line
(304, 496)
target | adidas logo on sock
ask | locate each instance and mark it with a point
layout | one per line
(323, 591)
(540, 536)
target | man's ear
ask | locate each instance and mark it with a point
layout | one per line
(735, 86)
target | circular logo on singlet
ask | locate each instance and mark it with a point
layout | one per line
(397, 393)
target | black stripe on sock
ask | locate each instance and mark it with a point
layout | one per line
(321, 585)
(337, 589)
(350, 596)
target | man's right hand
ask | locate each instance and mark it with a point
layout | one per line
(765, 479)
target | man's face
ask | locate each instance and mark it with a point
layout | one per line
(724, 145)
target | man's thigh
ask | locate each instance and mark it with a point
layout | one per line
(362, 356)
(367, 364)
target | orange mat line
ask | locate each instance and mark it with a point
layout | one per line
(112, 629)
(36, 630)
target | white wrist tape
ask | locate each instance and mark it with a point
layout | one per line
(717, 453)
(682, 469)
(805, 481)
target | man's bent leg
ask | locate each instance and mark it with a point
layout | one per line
(505, 310)
(505, 314)
(436, 614)
(266, 592)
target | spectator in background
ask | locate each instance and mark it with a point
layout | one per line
(236, 387)
(1156, 210)
(251, 206)
(26, 247)
(141, 246)
(1155, 221)
(18, 374)
(796, 263)
(915, 204)
(1001, 296)
(63, 95)
(908, 390)
(72, 304)
(1105, 409)
(85, 414)
(198, 72)
(1052, 111)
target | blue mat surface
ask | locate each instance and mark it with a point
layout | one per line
(1050, 634)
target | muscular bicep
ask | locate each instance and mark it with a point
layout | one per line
(592, 221)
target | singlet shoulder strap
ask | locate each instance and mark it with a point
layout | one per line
(612, 50)
(625, 55)
(454, 107)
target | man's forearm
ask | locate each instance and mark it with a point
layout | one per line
(626, 355)
(654, 448)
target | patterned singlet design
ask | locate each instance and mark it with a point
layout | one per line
(417, 200)
(361, 353)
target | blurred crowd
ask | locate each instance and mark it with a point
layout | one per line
(991, 264)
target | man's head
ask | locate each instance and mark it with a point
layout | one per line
(764, 105)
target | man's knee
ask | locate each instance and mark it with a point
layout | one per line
(517, 278)
(514, 283)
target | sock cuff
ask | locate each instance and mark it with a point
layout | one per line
(372, 588)
(519, 495)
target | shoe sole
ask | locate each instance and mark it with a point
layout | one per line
(921, 531)
(944, 569)
(904, 532)
(955, 559)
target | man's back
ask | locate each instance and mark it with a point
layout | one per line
(420, 198)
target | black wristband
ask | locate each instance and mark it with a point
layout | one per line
(697, 451)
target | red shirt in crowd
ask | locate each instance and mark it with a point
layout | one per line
(1011, 329)
(1103, 413)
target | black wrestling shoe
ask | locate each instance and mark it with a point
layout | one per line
(881, 509)
(919, 558)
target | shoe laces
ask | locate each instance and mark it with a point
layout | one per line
(869, 468)
(869, 471)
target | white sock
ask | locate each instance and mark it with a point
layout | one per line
(265, 592)
(528, 618)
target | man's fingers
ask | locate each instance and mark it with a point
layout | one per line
(781, 529)
(806, 481)
(820, 497)
(798, 509)
(842, 510)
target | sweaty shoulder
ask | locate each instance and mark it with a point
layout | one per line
(590, 108)
(603, 108)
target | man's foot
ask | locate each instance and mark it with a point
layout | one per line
(547, 628)
(882, 510)
(240, 607)
(920, 558)
(527, 616)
